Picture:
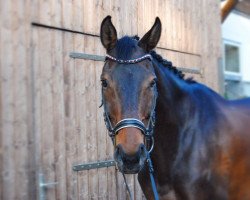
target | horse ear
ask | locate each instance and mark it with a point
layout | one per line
(152, 37)
(108, 33)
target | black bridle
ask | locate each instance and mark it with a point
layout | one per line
(147, 130)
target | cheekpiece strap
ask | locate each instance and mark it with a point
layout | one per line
(131, 61)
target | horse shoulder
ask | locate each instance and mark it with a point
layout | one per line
(233, 158)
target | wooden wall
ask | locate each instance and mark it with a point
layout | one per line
(49, 115)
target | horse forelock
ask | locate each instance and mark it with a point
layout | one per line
(125, 47)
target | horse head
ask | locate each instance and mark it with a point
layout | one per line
(129, 93)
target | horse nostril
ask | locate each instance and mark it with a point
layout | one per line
(141, 148)
(119, 151)
(118, 148)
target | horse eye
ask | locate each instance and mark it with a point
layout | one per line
(104, 83)
(147, 116)
(152, 83)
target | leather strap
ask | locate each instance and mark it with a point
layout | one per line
(130, 122)
(151, 174)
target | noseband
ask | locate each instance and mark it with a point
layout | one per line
(147, 131)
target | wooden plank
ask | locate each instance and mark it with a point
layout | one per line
(34, 11)
(71, 131)
(47, 107)
(89, 17)
(139, 14)
(1, 118)
(162, 14)
(47, 169)
(58, 115)
(199, 26)
(58, 103)
(127, 13)
(19, 78)
(103, 8)
(80, 107)
(170, 25)
(67, 13)
(137, 189)
(37, 80)
(181, 33)
(134, 17)
(193, 31)
(140, 28)
(30, 118)
(36, 93)
(211, 43)
(56, 11)
(130, 182)
(175, 24)
(7, 102)
(185, 25)
(90, 117)
(78, 15)
(121, 188)
(45, 12)
(111, 182)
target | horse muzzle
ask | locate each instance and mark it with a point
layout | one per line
(130, 164)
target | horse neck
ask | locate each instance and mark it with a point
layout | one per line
(169, 119)
(181, 110)
(172, 93)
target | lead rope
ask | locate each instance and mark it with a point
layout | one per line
(127, 187)
(151, 174)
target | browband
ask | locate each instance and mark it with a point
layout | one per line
(131, 61)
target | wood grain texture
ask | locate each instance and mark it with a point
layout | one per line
(14, 142)
(7, 103)
(71, 130)
(49, 112)
(81, 125)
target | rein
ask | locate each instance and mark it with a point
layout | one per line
(135, 123)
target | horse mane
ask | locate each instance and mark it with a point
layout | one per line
(168, 64)
(125, 47)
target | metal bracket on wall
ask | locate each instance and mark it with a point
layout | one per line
(76, 55)
(86, 56)
(94, 165)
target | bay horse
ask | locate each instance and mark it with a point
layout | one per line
(201, 141)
